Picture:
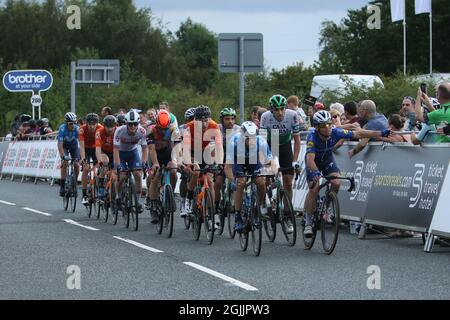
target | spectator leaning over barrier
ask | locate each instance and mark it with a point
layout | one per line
(293, 103)
(33, 128)
(441, 117)
(367, 111)
(408, 112)
(424, 135)
(44, 128)
(339, 107)
(16, 125)
(24, 132)
(396, 123)
(351, 114)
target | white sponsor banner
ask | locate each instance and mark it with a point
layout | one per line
(440, 224)
(48, 158)
(300, 186)
(10, 158)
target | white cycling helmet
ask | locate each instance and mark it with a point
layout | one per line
(321, 116)
(249, 128)
(132, 117)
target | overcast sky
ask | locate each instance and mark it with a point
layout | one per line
(290, 27)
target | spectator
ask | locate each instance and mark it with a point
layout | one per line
(396, 123)
(440, 117)
(367, 111)
(24, 131)
(122, 111)
(313, 109)
(44, 128)
(254, 115)
(336, 118)
(408, 112)
(16, 124)
(339, 107)
(106, 111)
(34, 130)
(351, 114)
(293, 103)
(424, 135)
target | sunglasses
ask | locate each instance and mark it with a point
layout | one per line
(335, 116)
(133, 124)
(69, 123)
(324, 125)
(280, 109)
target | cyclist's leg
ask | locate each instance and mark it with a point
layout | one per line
(310, 202)
(124, 160)
(135, 164)
(331, 169)
(64, 165)
(75, 154)
(218, 189)
(238, 196)
(287, 169)
(153, 196)
(84, 176)
(183, 193)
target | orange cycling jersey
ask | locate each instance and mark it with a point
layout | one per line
(104, 141)
(88, 137)
(206, 135)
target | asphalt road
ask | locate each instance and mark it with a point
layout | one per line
(37, 248)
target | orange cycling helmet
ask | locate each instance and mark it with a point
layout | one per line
(163, 119)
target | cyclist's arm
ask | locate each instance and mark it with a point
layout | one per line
(82, 151)
(144, 153)
(61, 149)
(152, 152)
(116, 157)
(310, 162)
(98, 153)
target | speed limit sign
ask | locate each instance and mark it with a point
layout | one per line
(36, 100)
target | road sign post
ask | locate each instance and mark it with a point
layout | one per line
(98, 72)
(241, 52)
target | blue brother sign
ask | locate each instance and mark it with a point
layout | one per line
(27, 80)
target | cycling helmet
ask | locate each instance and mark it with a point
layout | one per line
(227, 112)
(249, 128)
(70, 117)
(132, 117)
(277, 102)
(121, 119)
(189, 114)
(92, 118)
(109, 121)
(321, 116)
(202, 112)
(163, 119)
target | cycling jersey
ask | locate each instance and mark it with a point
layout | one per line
(162, 138)
(88, 136)
(239, 153)
(323, 149)
(286, 128)
(68, 138)
(123, 141)
(173, 120)
(104, 141)
(205, 136)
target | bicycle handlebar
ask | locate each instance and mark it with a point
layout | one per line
(351, 179)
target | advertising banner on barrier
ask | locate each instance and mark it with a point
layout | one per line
(3, 151)
(48, 156)
(11, 158)
(440, 225)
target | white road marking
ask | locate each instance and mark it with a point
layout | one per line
(8, 203)
(37, 211)
(222, 276)
(80, 225)
(137, 244)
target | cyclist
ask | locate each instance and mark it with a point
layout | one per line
(199, 134)
(282, 125)
(87, 149)
(165, 106)
(104, 148)
(320, 161)
(126, 154)
(188, 117)
(160, 142)
(228, 128)
(68, 145)
(121, 120)
(247, 153)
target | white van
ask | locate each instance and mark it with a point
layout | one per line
(336, 83)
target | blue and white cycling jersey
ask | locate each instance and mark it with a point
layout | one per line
(68, 138)
(238, 153)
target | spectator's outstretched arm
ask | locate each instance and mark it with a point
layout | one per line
(418, 106)
(359, 147)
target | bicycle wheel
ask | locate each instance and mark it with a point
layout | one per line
(330, 219)
(88, 206)
(231, 220)
(209, 212)
(196, 215)
(169, 208)
(187, 222)
(73, 193)
(96, 201)
(256, 225)
(243, 236)
(111, 203)
(66, 195)
(124, 205)
(287, 216)
(270, 225)
(160, 212)
(133, 200)
(222, 217)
